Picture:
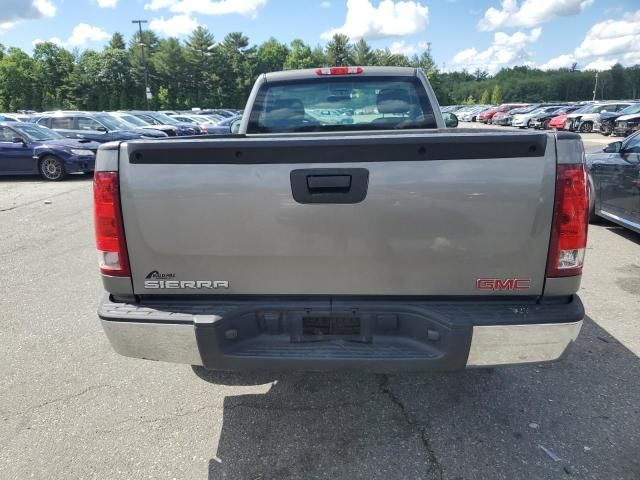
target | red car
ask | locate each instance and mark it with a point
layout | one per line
(558, 122)
(485, 117)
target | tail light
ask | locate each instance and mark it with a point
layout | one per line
(107, 215)
(339, 71)
(570, 222)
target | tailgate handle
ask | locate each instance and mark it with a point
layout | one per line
(322, 183)
(329, 185)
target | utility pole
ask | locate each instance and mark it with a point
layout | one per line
(147, 90)
(595, 87)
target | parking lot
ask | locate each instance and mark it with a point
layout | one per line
(72, 408)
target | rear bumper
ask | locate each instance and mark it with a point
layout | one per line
(392, 335)
(81, 164)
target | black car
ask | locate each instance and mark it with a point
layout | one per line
(608, 120)
(542, 120)
(627, 124)
(159, 118)
(99, 127)
(614, 182)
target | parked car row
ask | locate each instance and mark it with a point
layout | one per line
(55, 144)
(618, 118)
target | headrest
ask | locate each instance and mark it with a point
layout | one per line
(286, 109)
(393, 100)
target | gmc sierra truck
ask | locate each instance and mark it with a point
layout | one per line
(343, 226)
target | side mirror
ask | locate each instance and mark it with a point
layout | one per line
(450, 120)
(235, 126)
(18, 140)
(614, 147)
(102, 129)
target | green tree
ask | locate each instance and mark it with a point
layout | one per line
(362, 53)
(53, 64)
(179, 89)
(235, 69)
(117, 42)
(496, 95)
(339, 51)
(201, 72)
(299, 56)
(270, 57)
(163, 98)
(198, 52)
(17, 81)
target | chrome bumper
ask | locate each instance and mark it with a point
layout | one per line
(511, 344)
(166, 342)
(490, 345)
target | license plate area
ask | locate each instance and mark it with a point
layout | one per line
(319, 326)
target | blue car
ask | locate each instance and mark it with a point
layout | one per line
(614, 182)
(26, 148)
(224, 127)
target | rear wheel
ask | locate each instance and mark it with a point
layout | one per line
(545, 125)
(52, 168)
(586, 127)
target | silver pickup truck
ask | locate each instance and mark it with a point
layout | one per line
(343, 226)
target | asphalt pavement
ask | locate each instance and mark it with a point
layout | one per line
(73, 409)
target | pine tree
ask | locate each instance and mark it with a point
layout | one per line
(339, 51)
(496, 95)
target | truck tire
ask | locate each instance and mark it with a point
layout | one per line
(52, 168)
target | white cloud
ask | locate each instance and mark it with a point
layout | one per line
(389, 19)
(601, 64)
(529, 13)
(611, 37)
(604, 41)
(84, 33)
(561, 61)
(248, 8)
(4, 26)
(159, 4)
(15, 11)
(407, 48)
(54, 40)
(176, 26)
(107, 3)
(326, 4)
(45, 7)
(505, 51)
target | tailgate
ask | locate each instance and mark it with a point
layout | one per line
(375, 214)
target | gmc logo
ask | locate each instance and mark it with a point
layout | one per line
(500, 284)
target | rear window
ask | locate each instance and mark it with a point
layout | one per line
(341, 104)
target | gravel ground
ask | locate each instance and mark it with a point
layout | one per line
(73, 409)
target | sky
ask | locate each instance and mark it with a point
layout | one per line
(462, 34)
